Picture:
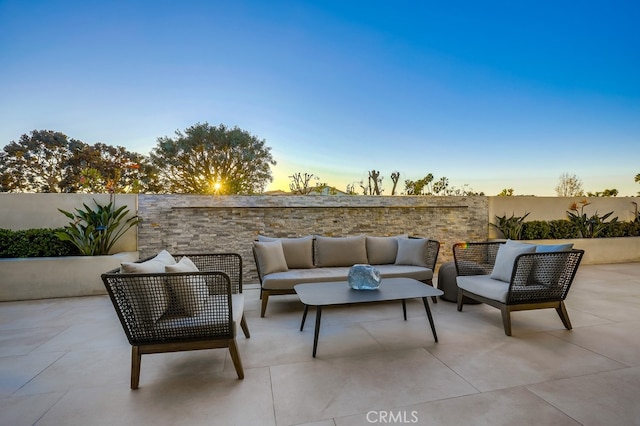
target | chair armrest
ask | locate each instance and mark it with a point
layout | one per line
(431, 256)
(475, 258)
(539, 277)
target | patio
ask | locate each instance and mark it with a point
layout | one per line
(67, 361)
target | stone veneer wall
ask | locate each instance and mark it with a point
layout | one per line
(198, 224)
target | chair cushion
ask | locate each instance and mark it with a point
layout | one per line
(149, 298)
(506, 257)
(484, 285)
(412, 251)
(298, 252)
(270, 257)
(545, 248)
(190, 291)
(382, 250)
(340, 251)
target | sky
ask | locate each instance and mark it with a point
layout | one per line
(490, 94)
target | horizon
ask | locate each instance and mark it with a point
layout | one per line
(492, 96)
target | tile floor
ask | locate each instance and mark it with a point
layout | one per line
(66, 362)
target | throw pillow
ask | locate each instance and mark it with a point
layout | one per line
(507, 253)
(341, 251)
(298, 252)
(149, 297)
(270, 257)
(382, 250)
(165, 257)
(190, 291)
(412, 251)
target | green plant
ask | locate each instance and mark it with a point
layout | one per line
(41, 242)
(511, 227)
(94, 232)
(589, 226)
(536, 230)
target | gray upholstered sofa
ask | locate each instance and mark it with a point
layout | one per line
(285, 262)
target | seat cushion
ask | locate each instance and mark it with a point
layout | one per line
(485, 286)
(286, 280)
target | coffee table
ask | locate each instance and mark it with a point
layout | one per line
(339, 293)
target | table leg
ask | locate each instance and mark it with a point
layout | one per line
(304, 316)
(315, 336)
(433, 327)
(404, 308)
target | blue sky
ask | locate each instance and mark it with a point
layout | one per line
(491, 95)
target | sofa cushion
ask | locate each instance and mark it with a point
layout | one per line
(507, 253)
(412, 251)
(190, 291)
(382, 250)
(484, 285)
(270, 257)
(286, 280)
(340, 251)
(298, 252)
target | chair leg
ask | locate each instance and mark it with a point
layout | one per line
(460, 300)
(235, 357)
(564, 315)
(136, 358)
(265, 300)
(506, 320)
(245, 327)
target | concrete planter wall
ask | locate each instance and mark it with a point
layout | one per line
(48, 277)
(602, 250)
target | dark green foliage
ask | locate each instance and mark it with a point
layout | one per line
(511, 227)
(536, 230)
(34, 243)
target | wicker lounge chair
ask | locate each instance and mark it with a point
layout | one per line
(180, 311)
(533, 280)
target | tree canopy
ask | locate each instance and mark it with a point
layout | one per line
(49, 161)
(207, 159)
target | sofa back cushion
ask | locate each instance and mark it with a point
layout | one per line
(340, 251)
(298, 252)
(382, 250)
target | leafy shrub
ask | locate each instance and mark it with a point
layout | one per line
(589, 226)
(34, 243)
(511, 227)
(536, 230)
(94, 232)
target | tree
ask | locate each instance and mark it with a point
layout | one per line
(207, 159)
(637, 179)
(300, 184)
(440, 187)
(395, 177)
(37, 163)
(569, 186)
(605, 193)
(374, 182)
(506, 192)
(418, 187)
(48, 161)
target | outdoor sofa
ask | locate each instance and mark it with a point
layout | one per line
(285, 262)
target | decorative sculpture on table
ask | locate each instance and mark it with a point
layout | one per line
(364, 277)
